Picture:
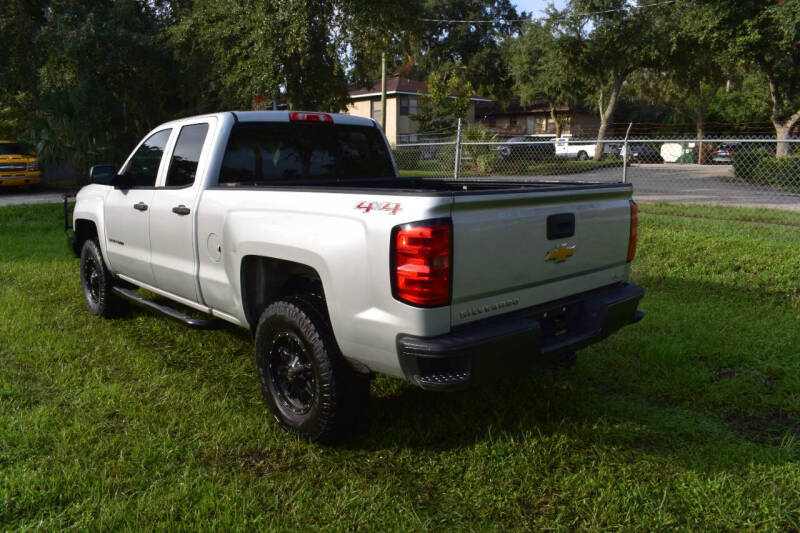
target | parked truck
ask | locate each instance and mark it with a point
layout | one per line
(18, 166)
(569, 148)
(297, 227)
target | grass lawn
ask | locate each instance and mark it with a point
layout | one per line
(689, 419)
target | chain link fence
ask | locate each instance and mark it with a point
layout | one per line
(753, 171)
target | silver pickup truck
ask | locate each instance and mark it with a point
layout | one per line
(297, 226)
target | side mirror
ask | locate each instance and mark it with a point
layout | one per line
(102, 174)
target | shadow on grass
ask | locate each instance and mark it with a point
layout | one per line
(705, 374)
(706, 379)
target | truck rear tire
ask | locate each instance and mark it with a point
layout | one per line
(306, 382)
(98, 283)
(582, 156)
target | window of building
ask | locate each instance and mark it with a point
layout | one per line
(375, 110)
(409, 105)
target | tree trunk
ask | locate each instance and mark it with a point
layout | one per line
(782, 126)
(559, 129)
(81, 174)
(601, 134)
(782, 132)
(606, 112)
(700, 123)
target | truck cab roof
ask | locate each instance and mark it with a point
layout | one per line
(277, 116)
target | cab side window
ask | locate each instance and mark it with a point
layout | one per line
(183, 167)
(143, 167)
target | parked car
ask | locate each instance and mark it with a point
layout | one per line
(642, 154)
(280, 222)
(18, 166)
(527, 148)
(724, 154)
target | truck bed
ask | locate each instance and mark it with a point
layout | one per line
(427, 186)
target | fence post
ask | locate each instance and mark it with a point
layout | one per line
(625, 157)
(457, 165)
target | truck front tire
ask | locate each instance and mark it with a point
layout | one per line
(98, 283)
(306, 382)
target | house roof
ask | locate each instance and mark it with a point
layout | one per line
(515, 107)
(397, 85)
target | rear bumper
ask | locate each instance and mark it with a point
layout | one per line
(504, 344)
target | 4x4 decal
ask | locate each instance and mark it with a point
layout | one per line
(392, 207)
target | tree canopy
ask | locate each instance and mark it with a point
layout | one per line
(83, 80)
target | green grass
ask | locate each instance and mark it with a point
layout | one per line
(689, 419)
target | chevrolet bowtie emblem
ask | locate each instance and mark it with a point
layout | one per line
(561, 253)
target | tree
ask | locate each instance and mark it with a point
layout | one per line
(266, 47)
(605, 41)
(696, 59)
(746, 98)
(295, 50)
(378, 29)
(105, 78)
(541, 72)
(446, 42)
(769, 37)
(446, 102)
(19, 23)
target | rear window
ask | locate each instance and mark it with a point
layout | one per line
(264, 152)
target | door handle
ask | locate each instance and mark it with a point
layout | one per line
(141, 206)
(181, 210)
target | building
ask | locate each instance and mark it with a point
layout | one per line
(536, 119)
(402, 100)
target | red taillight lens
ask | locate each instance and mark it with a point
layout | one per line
(634, 231)
(421, 265)
(302, 116)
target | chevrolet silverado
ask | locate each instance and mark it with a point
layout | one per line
(297, 226)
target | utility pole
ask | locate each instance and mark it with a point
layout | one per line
(383, 91)
(457, 162)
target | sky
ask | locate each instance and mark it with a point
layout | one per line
(537, 6)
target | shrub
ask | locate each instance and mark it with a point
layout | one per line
(478, 134)
(446, 156)
(407, 158)
(745, 162)
(488, 162)
(784, 172)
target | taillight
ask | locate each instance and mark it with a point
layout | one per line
(634, 231)
(302, 116)
(421, 262)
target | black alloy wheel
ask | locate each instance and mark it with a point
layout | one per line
(98, 283)
(307, 384)
(292, 380)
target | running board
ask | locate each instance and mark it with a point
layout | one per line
(197, 323)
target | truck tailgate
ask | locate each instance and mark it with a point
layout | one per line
(501, 247)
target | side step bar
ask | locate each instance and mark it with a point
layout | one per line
(197, 323)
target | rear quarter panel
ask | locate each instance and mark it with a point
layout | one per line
(347, 245)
